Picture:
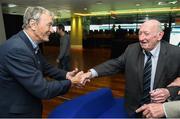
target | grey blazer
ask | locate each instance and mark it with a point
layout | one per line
(22, 85)
(64, 46)
(172, 109)
(131, 62)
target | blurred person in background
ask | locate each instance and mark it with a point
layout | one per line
(63, 59)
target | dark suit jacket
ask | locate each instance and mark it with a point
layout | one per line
(132, 63)
(22, 85)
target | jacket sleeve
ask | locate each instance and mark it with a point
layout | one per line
(172, 109)
(21, 66)
(173, 92)
(111, 66)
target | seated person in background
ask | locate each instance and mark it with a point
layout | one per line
(169, 109)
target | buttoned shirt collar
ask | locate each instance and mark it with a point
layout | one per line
(155, 51)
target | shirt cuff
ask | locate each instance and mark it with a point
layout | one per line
(94, 73)
(164, 110)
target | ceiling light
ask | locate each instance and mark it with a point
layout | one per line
(12, 5)
(99, 2)
(14, 12)
(162, 3)
(173, 2)
(137, 5)
(132, 11)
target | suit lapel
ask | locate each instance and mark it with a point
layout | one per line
(140, 67)
(23, 36)
(160, 64)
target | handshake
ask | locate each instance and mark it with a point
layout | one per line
(80, 78)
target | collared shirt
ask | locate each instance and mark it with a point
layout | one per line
(34, 44)
(94, 73)
(154, 58)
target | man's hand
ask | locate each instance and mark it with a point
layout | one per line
(176, 82)
(71, 74)
(159, 95)
(76, 80)
(86, 77)
(152, 110)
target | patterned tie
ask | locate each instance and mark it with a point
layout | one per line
(147, 79)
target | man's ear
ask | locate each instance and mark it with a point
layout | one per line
(33, 24)
(160, 35)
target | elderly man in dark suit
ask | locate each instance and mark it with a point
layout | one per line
(149, 64)
(22, 67)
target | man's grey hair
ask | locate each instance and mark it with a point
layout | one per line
(159, 26)
(35, 14)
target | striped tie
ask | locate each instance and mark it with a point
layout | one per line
(147, 79)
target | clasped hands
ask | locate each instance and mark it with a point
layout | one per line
(78, 78)
(155, 109)
(158, 97)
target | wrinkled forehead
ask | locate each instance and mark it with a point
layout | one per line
(46, 16)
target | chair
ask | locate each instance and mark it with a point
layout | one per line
(96, 104)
